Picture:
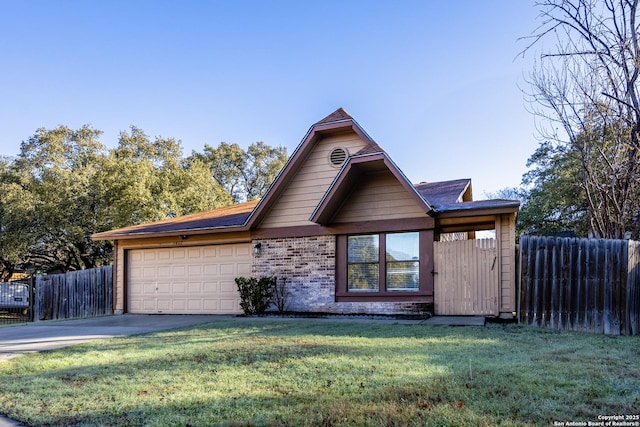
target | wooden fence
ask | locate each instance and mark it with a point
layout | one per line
(466, 278)
(580, 284)
(83, 293)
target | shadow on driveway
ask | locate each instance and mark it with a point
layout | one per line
(40, 336)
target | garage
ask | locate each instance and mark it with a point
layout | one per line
(186, 280)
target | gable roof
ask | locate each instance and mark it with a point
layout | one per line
(446, 192)
(447, 199)
(350, 174)
(336, 122)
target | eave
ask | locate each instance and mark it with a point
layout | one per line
(474, 216)
(222, 220)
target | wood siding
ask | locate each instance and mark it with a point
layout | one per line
(506, 236)
(466, 278)
(298, 201)
(379, 197)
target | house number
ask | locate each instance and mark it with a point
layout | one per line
(177, 243)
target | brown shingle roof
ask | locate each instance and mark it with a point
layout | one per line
(228, 216)
(371, 148)
(443, 193)
(339, 115)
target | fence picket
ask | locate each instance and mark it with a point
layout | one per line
(84, 293)
(580, 284)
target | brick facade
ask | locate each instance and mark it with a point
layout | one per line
(308, 264)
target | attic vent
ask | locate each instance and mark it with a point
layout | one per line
(338, 156)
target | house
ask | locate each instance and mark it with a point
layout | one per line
(345, 228)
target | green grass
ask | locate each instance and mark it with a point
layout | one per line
(327, 373)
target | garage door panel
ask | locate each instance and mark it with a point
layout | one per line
(179, 271)
(194, 288)
(228, 305)
(164, 271)
(187, 280)
(226, 251)
(211, 287)
(243, 251)
(243, 269)
(227, 269)
(210, 305)
(194, 305)
(178, 288)
(228, 287)
(195, 270)
(211, 270)
(150, 256)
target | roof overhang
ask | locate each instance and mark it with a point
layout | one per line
(350, 174)
(474, 216)
(227, 219)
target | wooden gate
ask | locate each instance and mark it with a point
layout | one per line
(466, 278)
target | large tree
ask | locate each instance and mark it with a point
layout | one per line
(552, 199)
(146, 180)
(50, 203)
(585, 86)
(245, 175)
(64, 185)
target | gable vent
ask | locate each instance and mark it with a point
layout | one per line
(338, 156)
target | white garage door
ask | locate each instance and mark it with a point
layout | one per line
(187, 280)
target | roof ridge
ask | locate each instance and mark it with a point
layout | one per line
(339, 115)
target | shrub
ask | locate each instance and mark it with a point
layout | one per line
(281, 295)
(255, 294)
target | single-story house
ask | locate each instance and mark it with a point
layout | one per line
(343, 226)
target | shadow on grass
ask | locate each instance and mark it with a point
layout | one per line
(325, 373)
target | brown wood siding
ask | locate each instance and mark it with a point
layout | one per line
(380, 197)
(506, 235)
(466, 278)
(296, 204)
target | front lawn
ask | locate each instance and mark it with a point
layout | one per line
(303, 372)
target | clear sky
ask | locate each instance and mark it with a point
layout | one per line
(436, 83)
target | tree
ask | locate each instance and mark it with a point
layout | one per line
(50, 204)
(64, 186)
(16, 217)
(245, 175)
(146, 180)
(552, 199)
(585, 87)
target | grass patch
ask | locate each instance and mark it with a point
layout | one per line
(324, 373)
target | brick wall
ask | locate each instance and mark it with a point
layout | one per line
(308, 264)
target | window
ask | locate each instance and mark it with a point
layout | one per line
(363, 254)
(386, 262)
(402, 256)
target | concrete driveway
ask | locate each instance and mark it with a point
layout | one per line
(34, 337)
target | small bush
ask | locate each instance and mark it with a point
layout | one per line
(281, 295)
(255, 294)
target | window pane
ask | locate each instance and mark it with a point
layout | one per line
(403, 276)
(363, 277)
(403, 247)
(363, 248)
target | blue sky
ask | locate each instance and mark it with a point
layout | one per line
(435, 83)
